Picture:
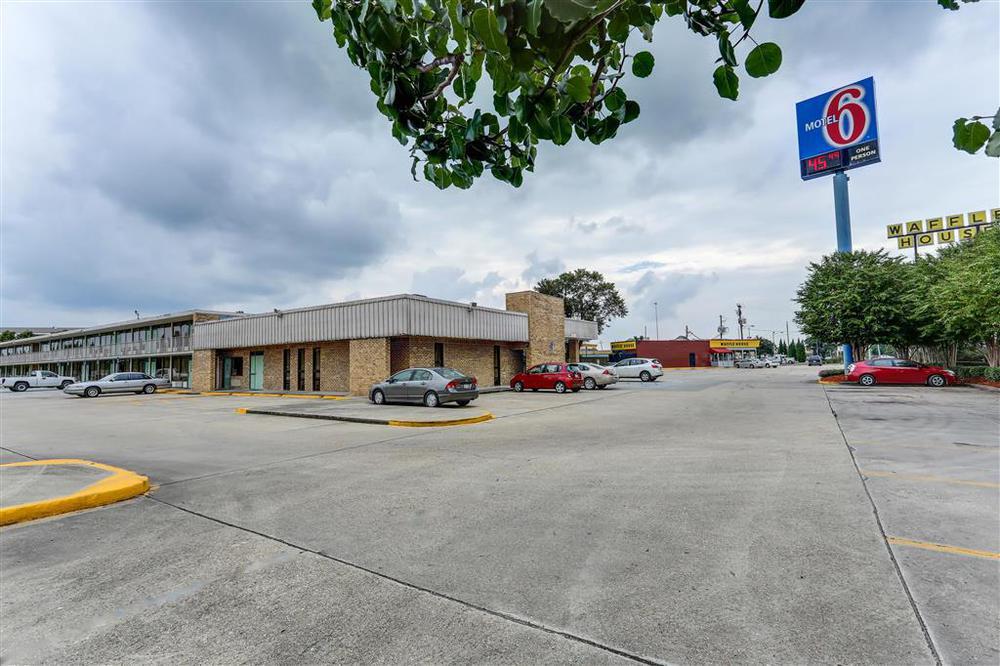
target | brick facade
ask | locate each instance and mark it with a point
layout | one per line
(369, 363)
(546, 325)
(203, 369)
(474, 357)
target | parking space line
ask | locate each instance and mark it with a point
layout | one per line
(929, 479)
(942, 548)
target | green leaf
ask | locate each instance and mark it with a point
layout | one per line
(568, 11)
(642, 64)
(726, 49)
(438, 175)
(562, 130)
(763, 60)
(780, 9)
(322, 8)
(578, 87)
(502, 104)
(533, 17)
(618, 26)
(969, 136)
(675, 7)
(746, 13)
(726, 82)
(388, 5)
(455, 18)
(615, 100)
(486, 27)
(631, 111)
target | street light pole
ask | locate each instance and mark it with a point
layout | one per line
(656, 312)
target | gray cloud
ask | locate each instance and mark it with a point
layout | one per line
(539, 268)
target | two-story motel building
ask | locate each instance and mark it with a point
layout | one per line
(340, 347)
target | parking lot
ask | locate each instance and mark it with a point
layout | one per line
(713, 516)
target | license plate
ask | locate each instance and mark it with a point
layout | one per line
(465, 387)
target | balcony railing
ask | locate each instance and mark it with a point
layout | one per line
(176, 345)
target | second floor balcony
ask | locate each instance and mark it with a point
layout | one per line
(175, 345)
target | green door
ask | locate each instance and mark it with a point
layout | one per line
(256, 371)
(227, 372)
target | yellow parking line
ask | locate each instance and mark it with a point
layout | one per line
(943, 548)
(930, 479)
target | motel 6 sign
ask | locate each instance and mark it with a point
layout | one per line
(838, 130)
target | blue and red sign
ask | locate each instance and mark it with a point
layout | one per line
(838, 130)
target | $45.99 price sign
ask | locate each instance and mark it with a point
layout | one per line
(838, 130)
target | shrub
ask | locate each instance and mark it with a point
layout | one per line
(977, 371)
(831, 372)
(992, 374)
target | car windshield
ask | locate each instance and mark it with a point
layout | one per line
(106, 378)
(449, 373)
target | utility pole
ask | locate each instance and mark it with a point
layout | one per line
(722, 327)
(739, 319)
(788, 336)
(656, 312)
(687, 332)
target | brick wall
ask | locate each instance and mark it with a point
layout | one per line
(474, 357)
(203, 369)
(335, 366)
(546, 325)
(369, 363)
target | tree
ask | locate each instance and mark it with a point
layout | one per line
(766, 347)
(586, 295)
(800, 351)
(853, 298)
(554, 69)
(782, 347)
(6, 335)
(23, 335)
(962, 295)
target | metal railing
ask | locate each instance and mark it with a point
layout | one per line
(124, 350)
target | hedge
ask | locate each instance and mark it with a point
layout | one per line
(831, 372)
(970, 372)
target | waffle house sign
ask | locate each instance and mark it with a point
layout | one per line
(957, 227)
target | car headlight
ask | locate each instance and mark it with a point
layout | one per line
(950, 372)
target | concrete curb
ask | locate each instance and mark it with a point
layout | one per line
(482, 418)
(982, 387)
(121, 485)
(248, 394)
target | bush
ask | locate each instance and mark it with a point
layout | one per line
(992, 374)
(831, 372)
(978, 371)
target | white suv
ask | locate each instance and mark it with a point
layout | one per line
(645, 369)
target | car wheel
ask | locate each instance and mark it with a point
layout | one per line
(645, 376)
(560, 387)
(64, 385)
(431, 399)
(937, 381)
(20, 386)
(603, 386)
(867, 380)
(518, 387)
(590, 383)
(149, 388)
(378, 397)
(463, 403)
(92, 392)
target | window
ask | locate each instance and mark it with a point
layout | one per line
(881, 363)
(906, 364)
(421, 376)
(286, 369)
(46, 373)
(141, 375)
(449, 373)
(536, 370)
(496, 365)
(403, 376)
(316, 365)
(439, 354)
(300, 375)
(237, 366)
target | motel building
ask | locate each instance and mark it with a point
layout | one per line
(338, 348)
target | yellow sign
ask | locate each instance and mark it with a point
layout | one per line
(624, 345)
(905, 242)
(955, 221)
(995, 216)
(977, 217)
(965, 233)
(960, 226)
(752, 343)
(946, 236)
(925, 239)
(914, 227)
(894, 230)
(935, 224)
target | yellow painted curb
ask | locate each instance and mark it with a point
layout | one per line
(245, 394)
(121, 485)
(943, 548)
(823, 380)
(434, 424)
(241, 410)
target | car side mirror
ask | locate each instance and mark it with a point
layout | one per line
(390, 381)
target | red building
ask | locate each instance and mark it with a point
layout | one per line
(676, 353)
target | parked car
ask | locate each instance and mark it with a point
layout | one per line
(645, 369)
(771, 362)
(431, 387)
(898, 371)
(555, 376)
(36, 379)
(814, 359)
(119, 382)
(749, 363)
(594, 376)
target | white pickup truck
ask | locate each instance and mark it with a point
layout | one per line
(36, 379)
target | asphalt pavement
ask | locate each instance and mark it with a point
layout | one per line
(714, 516)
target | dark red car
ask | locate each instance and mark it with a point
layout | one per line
(555, 376)
(898, 371)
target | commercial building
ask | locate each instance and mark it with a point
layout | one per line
(684, 353)
(340, 347)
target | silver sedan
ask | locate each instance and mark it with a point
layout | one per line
(428, 386)
(594, 376)
(119, 382)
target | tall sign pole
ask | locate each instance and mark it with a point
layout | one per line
(838, 131)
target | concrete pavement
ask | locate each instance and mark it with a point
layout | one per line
(714, 516)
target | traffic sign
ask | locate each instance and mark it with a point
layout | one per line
(838, 130)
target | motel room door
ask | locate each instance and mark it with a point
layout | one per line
(256, 371)
(692, 360)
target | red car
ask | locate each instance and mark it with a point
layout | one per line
(555, 376)
(898, 371)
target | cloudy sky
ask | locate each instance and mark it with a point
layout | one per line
(167, 155)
